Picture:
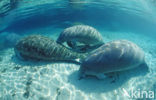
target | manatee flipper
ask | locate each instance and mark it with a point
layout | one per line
(88, 48)
(114, 76)
(84, 48)
(81, 73)
(101, 76)
(81, 76)
(18, 55)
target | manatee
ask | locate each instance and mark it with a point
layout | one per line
(81, 38)
(39, 47)
(114, 56)
(6, 6)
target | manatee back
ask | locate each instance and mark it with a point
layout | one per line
(114, 56)
(41, 47)
(80, 33)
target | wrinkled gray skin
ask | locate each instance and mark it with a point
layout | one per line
(86, 35)
(7, 5)
(38, 47)
(113, 56)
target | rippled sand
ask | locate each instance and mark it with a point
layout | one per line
(32, 80)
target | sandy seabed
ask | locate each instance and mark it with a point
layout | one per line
(30, 80)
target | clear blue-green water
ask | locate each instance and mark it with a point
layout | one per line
(133, 20)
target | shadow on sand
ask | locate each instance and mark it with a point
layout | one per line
(91, 85)
(32, 62)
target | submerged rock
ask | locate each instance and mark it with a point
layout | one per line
(81, 38)
(39, 47)
(113, 56)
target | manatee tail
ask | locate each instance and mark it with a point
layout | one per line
(82, 56)
(72, 55)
